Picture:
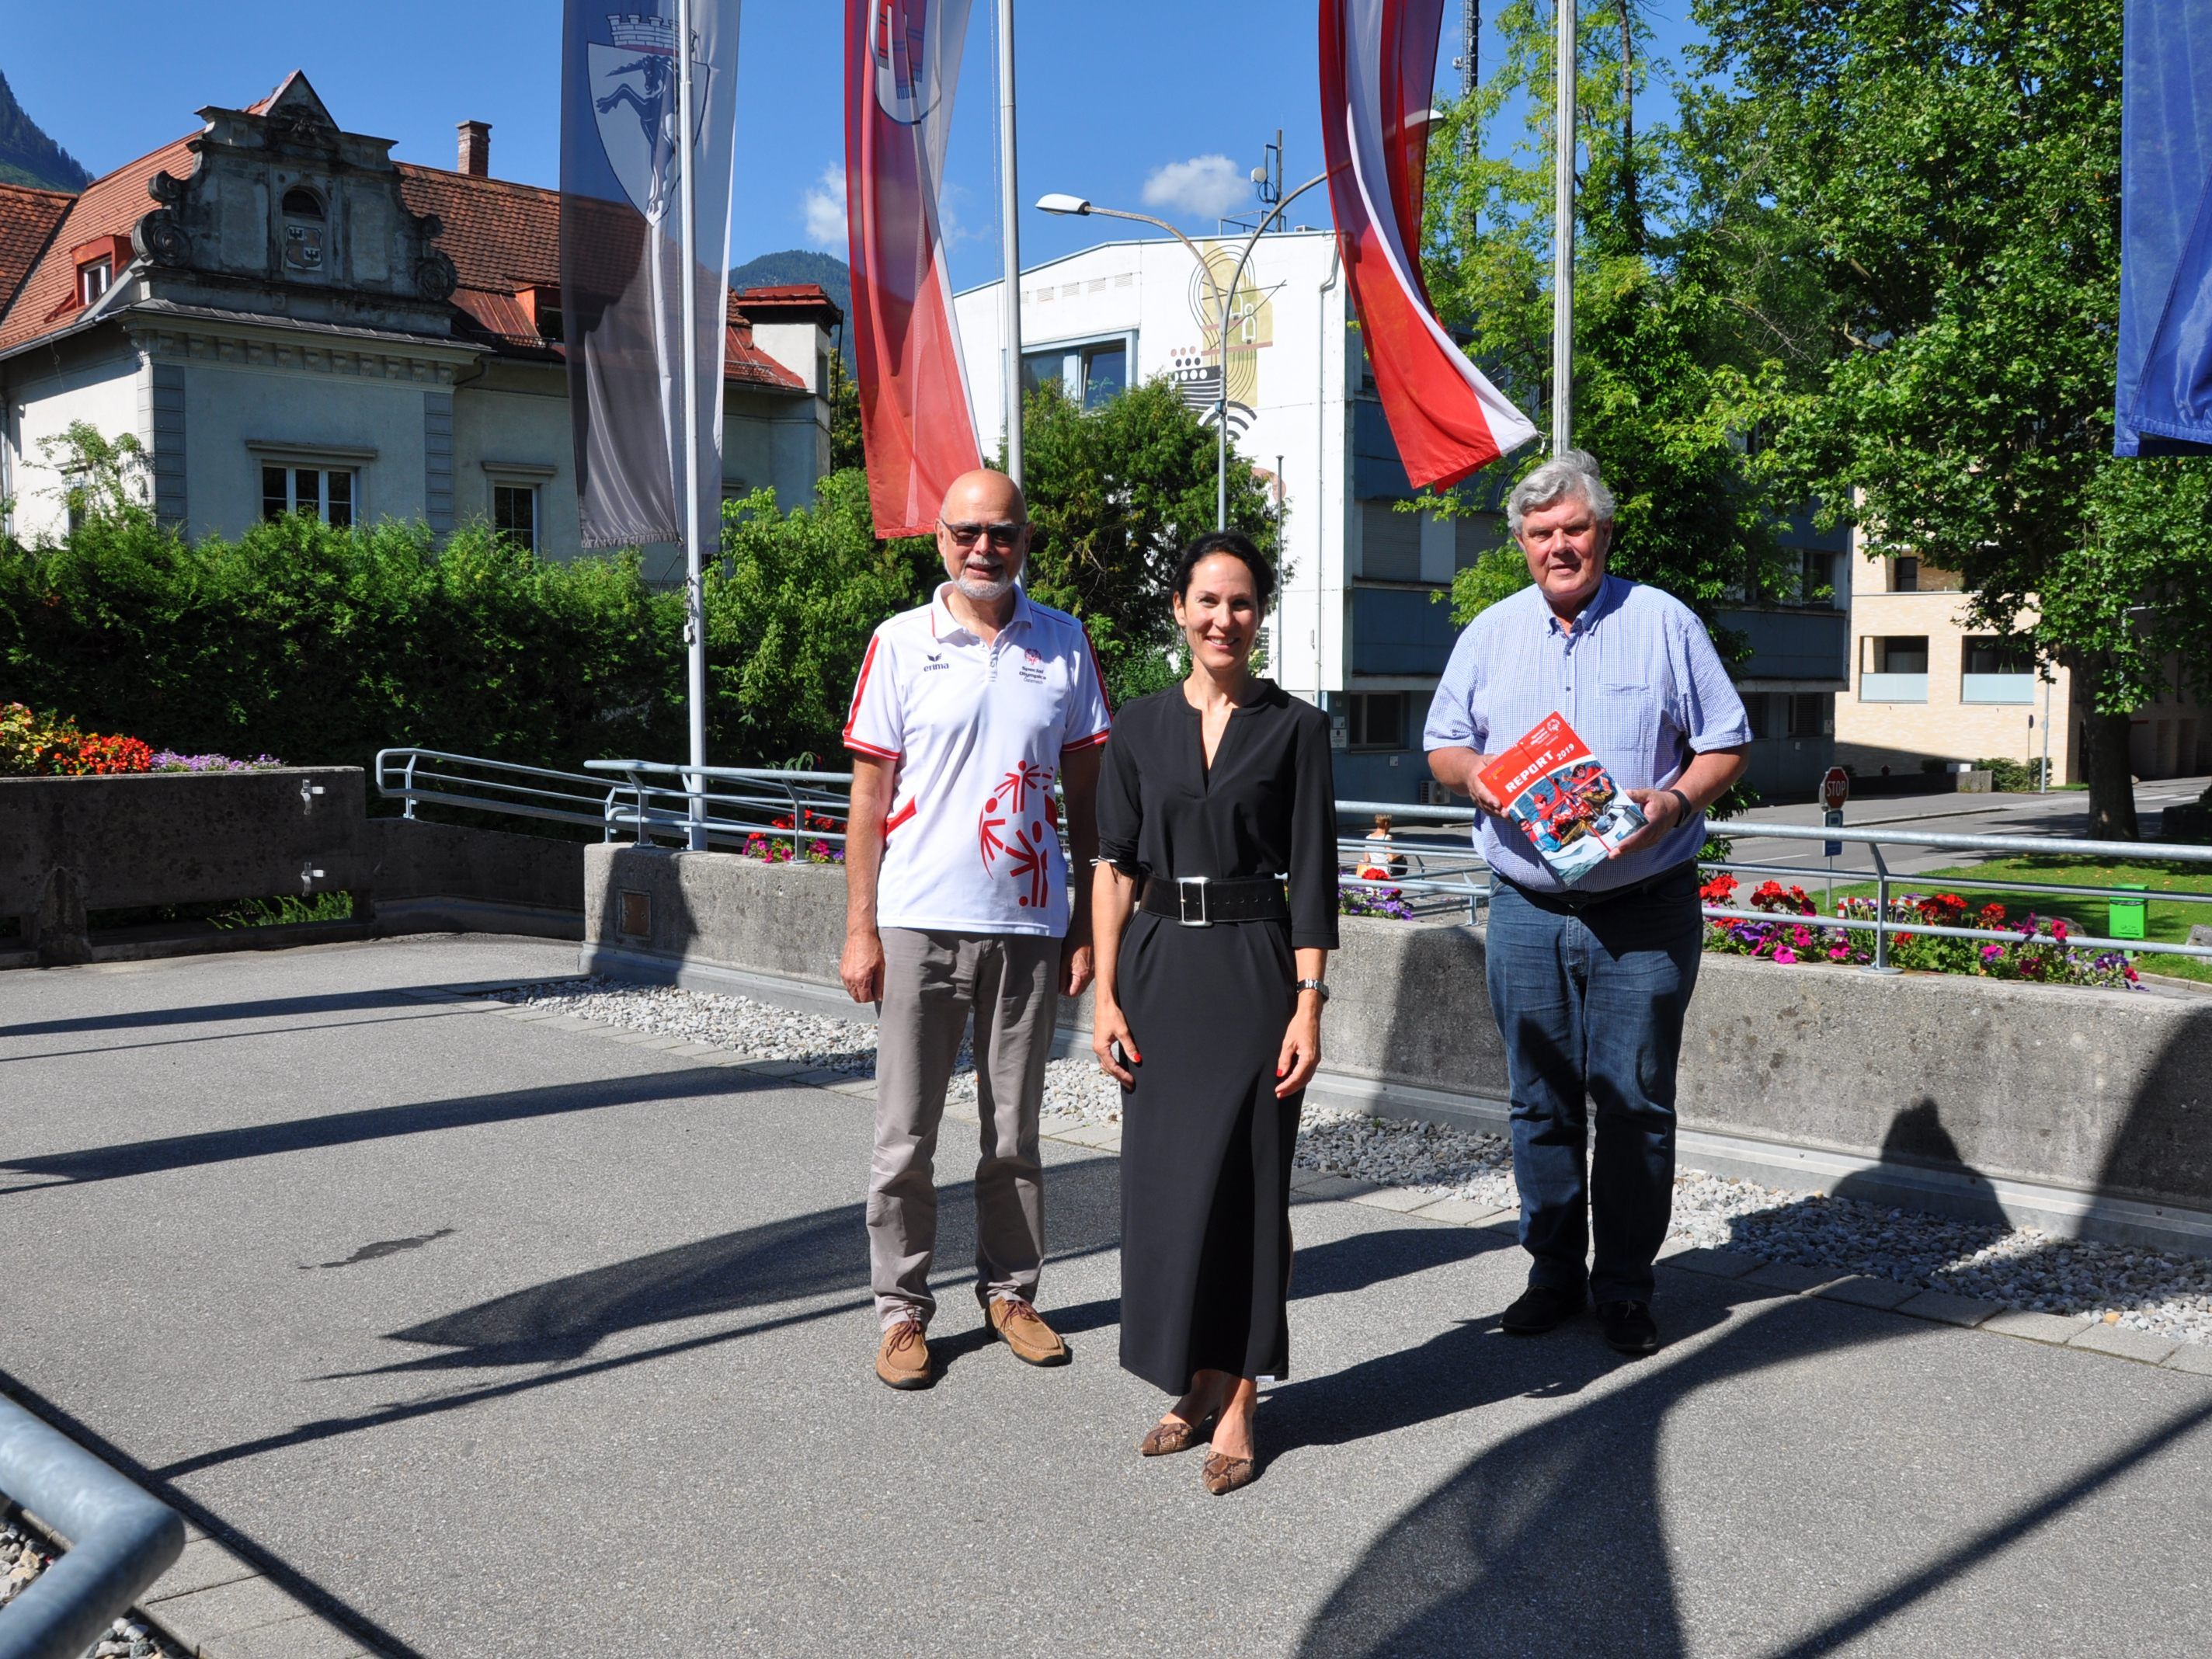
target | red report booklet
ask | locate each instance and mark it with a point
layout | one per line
(1554, 788)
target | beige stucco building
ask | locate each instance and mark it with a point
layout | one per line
(1926, 685)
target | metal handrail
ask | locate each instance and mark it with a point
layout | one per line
(628, 796)
(120, 1539)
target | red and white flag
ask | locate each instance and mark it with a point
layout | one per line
(901, 63)
(1378, 67)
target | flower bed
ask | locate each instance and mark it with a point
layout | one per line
(1386, 902)
(771, 848)
(35, 744)
(2037, 951)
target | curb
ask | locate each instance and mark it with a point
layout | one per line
(2080, 1334)
(211, 1604)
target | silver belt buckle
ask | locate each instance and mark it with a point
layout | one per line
(1183, 885)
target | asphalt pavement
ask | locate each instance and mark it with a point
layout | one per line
(496, 1337)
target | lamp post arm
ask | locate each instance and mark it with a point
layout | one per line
(1146, 219)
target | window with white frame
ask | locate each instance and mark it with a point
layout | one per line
(1089, 371)
(514, 512)
(93, 278)
(321, 492)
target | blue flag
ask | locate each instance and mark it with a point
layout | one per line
(2165, 397)
(624, 172)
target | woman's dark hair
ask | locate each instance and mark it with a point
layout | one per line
(1237, 545)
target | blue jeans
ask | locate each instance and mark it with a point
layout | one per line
(1590, 1004)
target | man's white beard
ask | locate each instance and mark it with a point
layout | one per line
(984, 592)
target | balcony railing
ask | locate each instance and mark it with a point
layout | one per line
(1997, 688)
(1893, 688)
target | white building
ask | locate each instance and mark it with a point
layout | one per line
(1359, 628)
(289, 320)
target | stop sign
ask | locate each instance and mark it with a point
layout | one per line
(1835, 788)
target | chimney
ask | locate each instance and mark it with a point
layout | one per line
(475, 149)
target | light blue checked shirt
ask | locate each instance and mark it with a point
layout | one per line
(1640, 681)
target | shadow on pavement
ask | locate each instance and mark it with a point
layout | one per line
(335, 1002)
(303, 1134)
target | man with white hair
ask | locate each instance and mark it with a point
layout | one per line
(1589, 984)
(956, 904)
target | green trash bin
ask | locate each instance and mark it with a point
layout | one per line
(2126, 917)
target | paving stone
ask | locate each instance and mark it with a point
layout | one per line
(1104, 1136)
(570, 1023)
(617, 1034)
(1721, 1264)
(1332, 1186)
(1866, 1290)
(1948, 1310)
(691, 1051)
(204, 1564)
(304, 1638)
(1460, 1212)
(202, 1619)
(2037, 1327)
(2195, 1358)
(1789, 1276)
(1400, 1199)
(2125, 1344)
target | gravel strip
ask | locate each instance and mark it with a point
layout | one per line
(762, 1030)
(24, 1556)
(2141, 1289)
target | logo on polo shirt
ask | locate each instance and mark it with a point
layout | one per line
(1016, 831)
(1032, 668)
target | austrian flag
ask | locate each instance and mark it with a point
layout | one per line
(1378, 62)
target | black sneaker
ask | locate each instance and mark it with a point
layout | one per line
(1541, 1307)
(1629, 1329)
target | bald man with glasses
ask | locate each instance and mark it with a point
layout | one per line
(969, 711)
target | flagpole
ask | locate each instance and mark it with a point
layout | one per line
(1563, 237)
(1011, 242)
(695, 630)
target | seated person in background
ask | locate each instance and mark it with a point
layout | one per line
(1381, 861)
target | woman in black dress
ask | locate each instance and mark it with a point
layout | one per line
(1208, 1003)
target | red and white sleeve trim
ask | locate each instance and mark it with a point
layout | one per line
(1091, 742)
(858, 747)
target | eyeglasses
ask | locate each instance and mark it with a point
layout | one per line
(1002, 534)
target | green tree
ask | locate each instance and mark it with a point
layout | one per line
(788, 618)
(1663, 353)
(102, 477)
(1115, 494)
(1939, 184)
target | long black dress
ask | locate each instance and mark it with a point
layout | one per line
(1206, 1147)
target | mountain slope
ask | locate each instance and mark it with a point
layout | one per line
(27, 157)
(800, 264)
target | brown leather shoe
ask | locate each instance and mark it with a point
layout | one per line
(902, 1360)
(1223, 1475)
(1019, 1325)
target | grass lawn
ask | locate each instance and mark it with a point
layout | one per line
(2167, 918)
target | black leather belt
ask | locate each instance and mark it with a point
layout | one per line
(1573, 900)
(1201, 901)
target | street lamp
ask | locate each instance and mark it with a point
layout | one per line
(1079, 206)
(1225, 297)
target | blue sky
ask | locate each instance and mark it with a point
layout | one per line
(1112, 97)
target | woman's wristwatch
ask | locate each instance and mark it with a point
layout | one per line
(1314, 986)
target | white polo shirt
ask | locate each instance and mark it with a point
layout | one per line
(971, 842)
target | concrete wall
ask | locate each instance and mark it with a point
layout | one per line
(430, 877)
(2078, 1110)
(72, 845)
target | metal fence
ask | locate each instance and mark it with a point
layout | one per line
(1432, 857)
(120, 1539)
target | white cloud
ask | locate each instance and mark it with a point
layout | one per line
(1207, 186)
(825, 210)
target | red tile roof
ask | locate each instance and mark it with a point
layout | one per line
(28, 221)
(107, 206)
(503, 238)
